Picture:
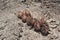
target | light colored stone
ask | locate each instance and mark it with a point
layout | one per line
(53, 26)
(57, 22)
(51, 20)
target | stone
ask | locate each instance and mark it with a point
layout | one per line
(53, 26)
(58, 29)
(54, 35)
(57, 22)
(51, 20)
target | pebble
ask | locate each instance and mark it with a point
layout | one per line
(54, 35)
(57, 22)
(20, 24)
(58, 29)
(53, 26)
(53, 23)
(51, 20)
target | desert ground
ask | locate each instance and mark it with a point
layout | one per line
(12, 28)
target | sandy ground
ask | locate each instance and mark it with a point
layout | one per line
(12, 28)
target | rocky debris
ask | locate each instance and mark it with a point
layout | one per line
(53, 23)
(3, 4)
(51, 20)
(53, 35)
(8, 21)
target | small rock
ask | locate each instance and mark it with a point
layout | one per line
(21, 30)
(37, 4)
(51, 20)
(20, 24)
(58, 29)
(57, 22)
(53, 26)
(54, 35)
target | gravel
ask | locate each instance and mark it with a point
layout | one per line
(12, 28)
